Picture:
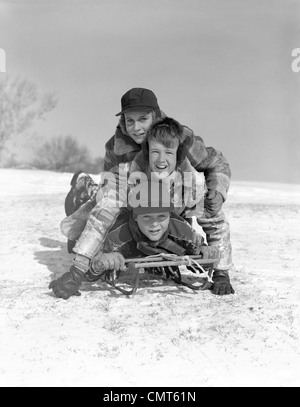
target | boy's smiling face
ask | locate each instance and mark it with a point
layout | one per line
(162, 159)
(153, 225)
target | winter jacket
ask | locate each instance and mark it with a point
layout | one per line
(121, 148)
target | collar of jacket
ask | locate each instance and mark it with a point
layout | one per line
(148, 247)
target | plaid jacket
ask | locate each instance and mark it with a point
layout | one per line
(121, 149)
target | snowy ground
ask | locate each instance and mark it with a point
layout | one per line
(164, 335)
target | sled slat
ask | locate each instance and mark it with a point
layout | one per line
(170, 263)
(178, 261)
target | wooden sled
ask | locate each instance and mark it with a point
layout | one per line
(168, 264)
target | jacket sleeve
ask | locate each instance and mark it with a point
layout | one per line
(101, 218)
(110, 160)
(183, 233)
(211, 162)
(194, 244)
(198, 241)
(216, 171)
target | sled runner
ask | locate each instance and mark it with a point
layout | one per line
(167, 265)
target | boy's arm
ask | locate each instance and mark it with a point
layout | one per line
(209, 161)
(216, 171)
(112, 255)
(110, 160)
(101, 219)
(198, 246)
(198, 242)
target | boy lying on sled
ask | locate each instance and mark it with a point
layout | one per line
(152, 229)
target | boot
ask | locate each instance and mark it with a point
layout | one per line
(82, 189)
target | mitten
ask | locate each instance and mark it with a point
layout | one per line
(221, 285)
(68, 284)
(109, 261)
(213, 203)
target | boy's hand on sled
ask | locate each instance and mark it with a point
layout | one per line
(222, 285)
(109, 261)
(213, 203)
(68, 284)
(209, 252)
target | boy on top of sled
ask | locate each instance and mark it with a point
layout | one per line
(163, 156)
(152, 228)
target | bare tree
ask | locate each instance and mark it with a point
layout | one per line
(62, 154)
(96, 166)
(20, 107)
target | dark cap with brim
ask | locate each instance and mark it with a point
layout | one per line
(143, 210)
(150, 197)
(138, 100)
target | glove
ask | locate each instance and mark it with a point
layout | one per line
(209, 252)
(109, 261)
(221, 285)
(213, 203)
(68, 284)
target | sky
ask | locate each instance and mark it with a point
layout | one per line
(223, 68)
